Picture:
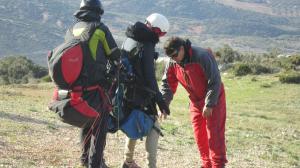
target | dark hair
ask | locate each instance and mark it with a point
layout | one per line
(173, 44)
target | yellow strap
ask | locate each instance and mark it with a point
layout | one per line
(98, 35)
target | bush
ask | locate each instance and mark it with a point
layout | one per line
(295, 60)
(227, 55)
(260, 69)
(286, 64)
(290, 77)
(4, 80)
(46, 79)
(241, 69)
(289, 63)
(19, 70)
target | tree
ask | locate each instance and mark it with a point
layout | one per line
(228, 55)
(19, 69)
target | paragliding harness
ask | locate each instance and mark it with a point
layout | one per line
(133, 121)
(69, 66)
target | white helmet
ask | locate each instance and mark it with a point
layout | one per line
(159, 21)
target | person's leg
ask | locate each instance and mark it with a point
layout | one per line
(151, 146)
(85, 142)
(200, 134)
(129, 149)
(128, 154)
(216, 134)
(98, 141)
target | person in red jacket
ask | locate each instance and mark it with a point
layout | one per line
(196, 70)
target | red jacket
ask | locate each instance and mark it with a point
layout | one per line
(198, 73)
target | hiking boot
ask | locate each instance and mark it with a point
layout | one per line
(131, 164)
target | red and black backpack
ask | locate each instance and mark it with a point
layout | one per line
(69, 65)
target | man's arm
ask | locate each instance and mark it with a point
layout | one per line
(149, 76)
(169, 82)
(212, 73)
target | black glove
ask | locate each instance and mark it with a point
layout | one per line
(163, 107)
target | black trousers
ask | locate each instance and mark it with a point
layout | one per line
(93, 139)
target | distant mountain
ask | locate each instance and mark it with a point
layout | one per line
(33, 27)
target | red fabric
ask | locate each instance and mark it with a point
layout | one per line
(209, 133)
(82, 106)
(191, 77)
(71, 64)
(55, 94)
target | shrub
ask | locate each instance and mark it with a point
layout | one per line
(4, 80)
(295, 59)
(19, 70)
(227, 55)
(46, 79)
(289, 63)
(290, 77)
(286, 64)
(260, 69)
(241, 69)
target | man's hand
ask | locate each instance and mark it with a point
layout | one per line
(164, 109)
(207, 112)
(162, 115)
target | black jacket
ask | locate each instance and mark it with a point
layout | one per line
(102, 45)
(146, 85)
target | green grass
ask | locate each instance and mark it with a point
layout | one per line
(263, 122)
(263, 128)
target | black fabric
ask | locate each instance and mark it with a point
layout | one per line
(187, 57)
(144, 93)
(85, 131)
(141, 33)
(94, 5)
(163, 107)
(98, 141)
(87, 15)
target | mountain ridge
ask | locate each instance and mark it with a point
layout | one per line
(32, 28)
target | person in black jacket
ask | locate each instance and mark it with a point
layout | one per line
(144, 93)
(103, 51)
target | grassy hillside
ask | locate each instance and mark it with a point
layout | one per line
(263, 126)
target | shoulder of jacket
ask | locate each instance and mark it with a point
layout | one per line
(199, 53)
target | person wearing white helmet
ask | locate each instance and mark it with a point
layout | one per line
(144, 92)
